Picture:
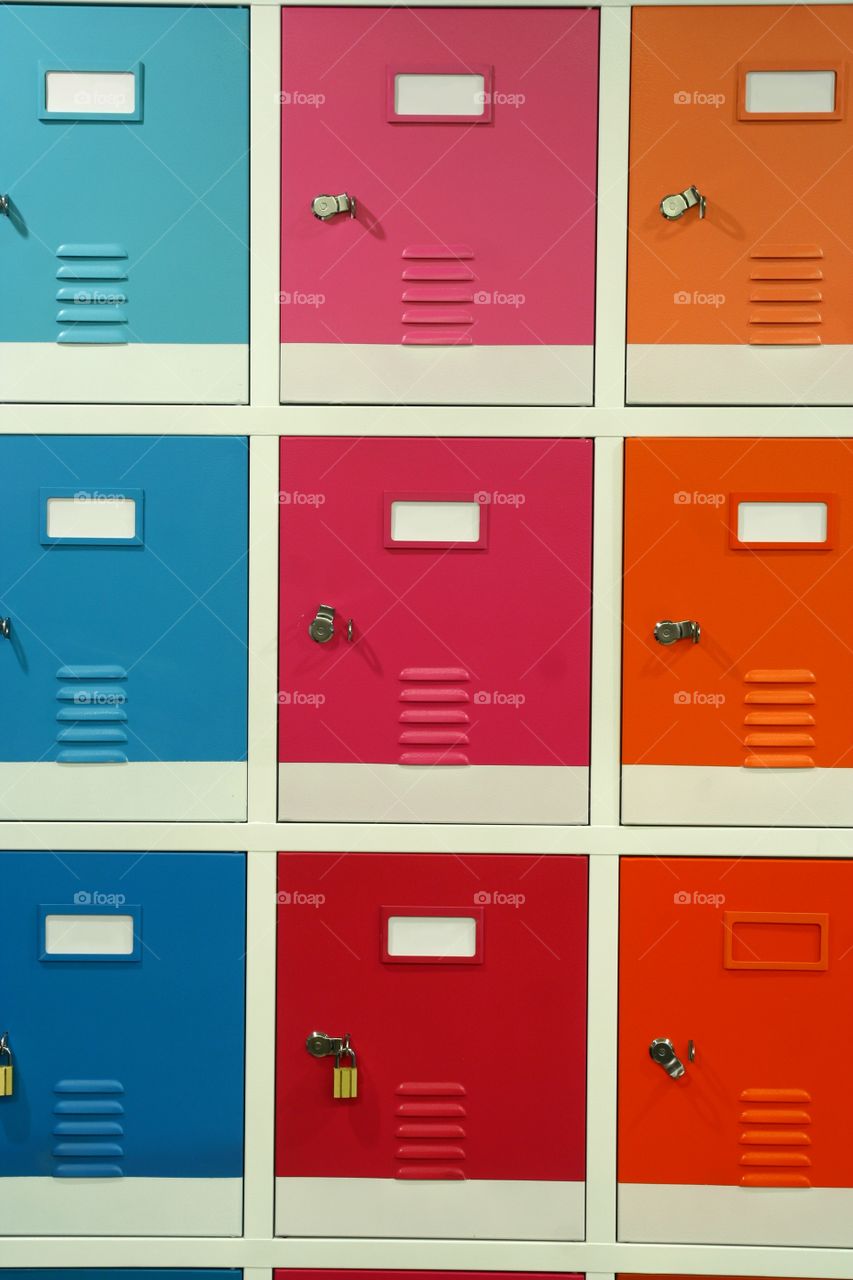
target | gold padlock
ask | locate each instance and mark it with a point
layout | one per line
(6, 1072)
(346, 1078)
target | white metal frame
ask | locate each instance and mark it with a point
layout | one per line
(610, 421)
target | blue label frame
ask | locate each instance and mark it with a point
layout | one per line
(89, 909)
(136, 69)
(96, 493)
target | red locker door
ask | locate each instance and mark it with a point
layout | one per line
(446, 972)
(748, 1140)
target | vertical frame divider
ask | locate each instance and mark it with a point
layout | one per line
(602, 1048)
(264, 204)
(259, 1167)
(614, 91)
(263, 627)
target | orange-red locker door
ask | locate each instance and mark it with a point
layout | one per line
(740, 247)
(738, 702)
(735, 1110)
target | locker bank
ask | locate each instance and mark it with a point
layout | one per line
(732, 1128)
(123, 598)
(125, 235)
(438, 205)
(740, 288)
(412, 1099)
(123, 982)
(435, 630)
(736, 691)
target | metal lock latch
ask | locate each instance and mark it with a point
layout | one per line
(326, 207)
(5, 1067)
(345, 1079)
(5, 206)
(676, 205)
(6, 628)
(322, 626)
(662, 1051)
(667, 632)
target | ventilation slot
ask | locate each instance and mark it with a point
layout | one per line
(439, 732)
(785, 311)
(779, 738)
(93, 726)
(431, 1146)
(92, 312)
(769, 1160)
(438, 318)
(88, 1148)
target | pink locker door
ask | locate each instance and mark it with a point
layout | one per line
(463, 694)
(435, 1275)
(467, 140)
(461, 982)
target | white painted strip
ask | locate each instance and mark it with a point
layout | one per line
(365, 373)
(667, 1214)
(702, 794)
(690, 373)
(135, 373)
(467, 1209)
(433, 793)
(121, 1206)
(161, 791)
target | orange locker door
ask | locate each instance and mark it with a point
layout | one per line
(735, 1112)
(744, 714)
(740, 248)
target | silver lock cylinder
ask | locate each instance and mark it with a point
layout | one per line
(6, 628)
(326, 207)
(676, 205)
(321, 628)
(662, 1051)
(5, 207)
(668, 632)
(319, 1045)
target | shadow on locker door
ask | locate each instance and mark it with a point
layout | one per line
(735, 1121)
(445, 972)
(123, 981)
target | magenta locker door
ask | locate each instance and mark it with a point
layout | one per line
(446, 971)
(452, 261)
(463, 692)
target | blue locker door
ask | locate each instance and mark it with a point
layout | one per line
(125, 250)
(122, 991)
(123, 577)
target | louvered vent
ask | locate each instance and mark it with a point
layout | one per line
(435, 719)
(92, 294)
(785, 295)
(437, 313)
(777, 1120)
(429, 1130)
(93, 719)
(88, 1144)
(780, 734)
